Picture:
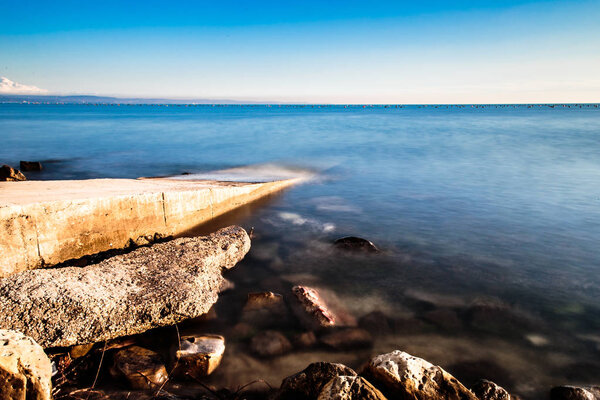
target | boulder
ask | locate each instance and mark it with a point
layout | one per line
(348, 338)
(308, 383)
(153, 286)
(25, 370)
(349, 388)
(402, 376)
(270, 344)
(356, 244)
(575, 393)
(140, 367)
(30, 165)
(8, 173)
(314, 313)
(198, 355)
(488, 390)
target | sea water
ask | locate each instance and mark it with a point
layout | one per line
(487, 217)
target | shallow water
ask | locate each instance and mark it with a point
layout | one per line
(492, 210)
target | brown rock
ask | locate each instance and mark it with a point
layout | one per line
(307, 384)
(575, 393)
(149, 287)
(353, 243)
(30, 165)
(305, 340)
(142, 368)
(265, 309)
(198, 355)
(487, 390)
(8, 173)
(80, 350)
(403, 376)
(349, 338)
(350, 388)
(310, 309)
(270, 344)
(25, 370)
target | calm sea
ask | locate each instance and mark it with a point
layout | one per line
(488, 219)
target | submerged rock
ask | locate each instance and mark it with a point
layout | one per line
(30, 165)
(305, 340)
(25, 370)
(270, 344)
(198, 355)
(142, 368)
(575, 393)
(353, 243)
(308, 383)
(8, 173)
(348, 338)
(124, 295)
(265, 309)
(310, 308)
(350, 388)
(407, 377)
(487, 390)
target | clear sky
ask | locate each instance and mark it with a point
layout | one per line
(321, 51)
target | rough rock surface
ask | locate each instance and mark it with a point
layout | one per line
(575, 393)
(350, 388)
(25, 370)
(198, 355)
(270, 344)
(403, 376)
(8, 173)
(142, 368)
(310, 309)
(307, 384)
(487, 390)
(124, 295)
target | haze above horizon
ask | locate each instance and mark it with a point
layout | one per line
(310, 52)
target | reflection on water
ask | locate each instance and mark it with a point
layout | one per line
(488, 220)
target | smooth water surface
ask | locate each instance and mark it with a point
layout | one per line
(488, 217)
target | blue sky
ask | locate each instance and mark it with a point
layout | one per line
(307, 51)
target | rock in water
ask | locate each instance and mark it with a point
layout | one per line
(8, 173)
(348, 338)
(487, 390)
(353, 243)
(30, 165)
(307, 384)
(350, 388)
(270, 344)
(198, 355)
(310, 309)
(575, 393)
(142, 368)
(124, 295)
(265, 309)
(25, 370)
(406, 377)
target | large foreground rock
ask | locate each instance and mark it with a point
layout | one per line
(25, 370)
(407, 377)
(350, 388)
(308, 383)
(124, 295)
(575, 393)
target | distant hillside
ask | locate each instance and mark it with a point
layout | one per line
(4, 98)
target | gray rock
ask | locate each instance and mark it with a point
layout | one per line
(124, 295)
(350, 388)
(353, 243)
(575, 393)
(8, 173)
(403, 376)
(308, 383)
(487, 390)
(25, 370)
(270, 344)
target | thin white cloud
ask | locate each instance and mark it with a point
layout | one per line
(9, 87)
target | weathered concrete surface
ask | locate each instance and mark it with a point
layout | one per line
(124, 295)
(44, 223)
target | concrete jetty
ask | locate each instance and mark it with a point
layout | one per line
(44, 223)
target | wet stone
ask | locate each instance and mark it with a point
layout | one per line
(311, 310)
(140, 367)
(488, 390)
(270, 344)
(198, 355)
(265, 309)
(30, 166)
(355, 244)
(350, 388)
(308, 383)
(345, 339)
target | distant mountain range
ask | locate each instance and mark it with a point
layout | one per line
(83, 99)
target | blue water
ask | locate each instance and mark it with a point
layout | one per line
(495, 203)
